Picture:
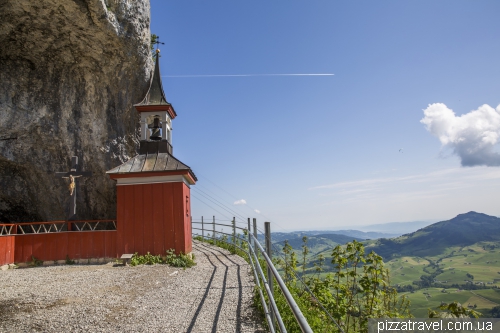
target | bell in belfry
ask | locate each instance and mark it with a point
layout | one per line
(155, 130)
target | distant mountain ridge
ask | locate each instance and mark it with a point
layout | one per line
(398, 228)
(373, 231)
(357, 234)
(364, 234)
(462, 230)
(314, 240)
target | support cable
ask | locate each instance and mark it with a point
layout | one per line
(224, 208)
(203, 202)
(214, 194)
(208, 196)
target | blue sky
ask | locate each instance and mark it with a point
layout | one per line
(312, 152)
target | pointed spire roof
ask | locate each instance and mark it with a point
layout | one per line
(155, 99)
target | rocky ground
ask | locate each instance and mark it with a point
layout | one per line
(213, 296)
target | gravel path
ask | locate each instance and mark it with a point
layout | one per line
(213, 296)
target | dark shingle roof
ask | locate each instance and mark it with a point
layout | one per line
(153, 157)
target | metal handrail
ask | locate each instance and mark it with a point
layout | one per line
(223, 225)
(258, 272)
(220, 232)
(302, 321)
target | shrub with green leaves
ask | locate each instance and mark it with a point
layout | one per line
(357, 289)
(453, 310)
(181, 260)
(147, 259)
(171, 259)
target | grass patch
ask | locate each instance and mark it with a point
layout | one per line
(430, 298)
(492, 295)
(405, 270)
(69, 261)
(35, 262)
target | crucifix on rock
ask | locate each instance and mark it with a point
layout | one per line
(72, 175)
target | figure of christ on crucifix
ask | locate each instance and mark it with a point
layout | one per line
(72, 183)
(72, 175)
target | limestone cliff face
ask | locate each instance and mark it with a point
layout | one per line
(70, 71)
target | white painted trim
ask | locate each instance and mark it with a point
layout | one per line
(152, 180)
(144, 130)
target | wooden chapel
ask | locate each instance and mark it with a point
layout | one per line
(153, 188)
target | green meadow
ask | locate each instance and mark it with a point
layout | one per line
(458, 264)
(479, 264)
(430, 298)
(405, 270)
(477, 260)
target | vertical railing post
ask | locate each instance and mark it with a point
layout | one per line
(249, 235)
(202, 230)
(255, 235)
(214, 228)
(267, 228)
(234, 234)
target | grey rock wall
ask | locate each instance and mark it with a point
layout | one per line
(70, 71)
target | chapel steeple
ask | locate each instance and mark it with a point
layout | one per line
(155, 147)
(156, 112)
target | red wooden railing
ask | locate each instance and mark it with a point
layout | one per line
(56, 226)
(57, 240)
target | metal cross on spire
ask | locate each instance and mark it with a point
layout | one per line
(72, 175)
(157, 41)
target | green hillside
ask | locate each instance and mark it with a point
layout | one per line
(454, 260)
(474, 266)
(436, 239)
(431, 298)
(323, 243)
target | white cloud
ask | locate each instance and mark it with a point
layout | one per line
(472, 136)
(240, 202)
(257, 211)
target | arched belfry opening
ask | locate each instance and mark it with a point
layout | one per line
(153, 187)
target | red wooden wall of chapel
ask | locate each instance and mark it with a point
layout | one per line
(153, 218)
(7, 246)
(62, 245)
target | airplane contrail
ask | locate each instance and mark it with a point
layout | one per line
(247, 75)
